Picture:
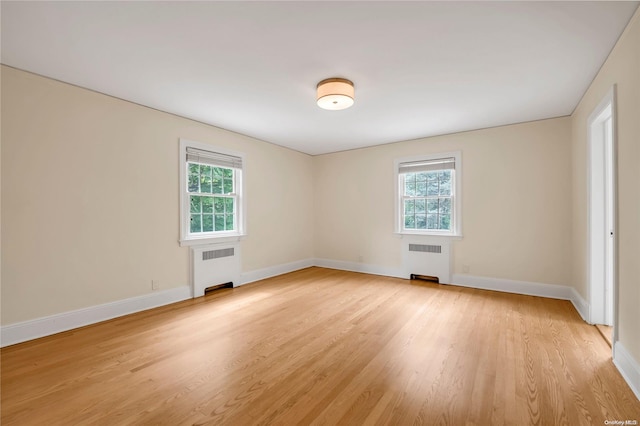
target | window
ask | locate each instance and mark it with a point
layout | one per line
(428, 195)
(211, 193)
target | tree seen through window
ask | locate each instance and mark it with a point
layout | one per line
(427, 200)
(212, 198)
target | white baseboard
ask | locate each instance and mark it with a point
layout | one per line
(360, 267)
(528, 288)
(40, 327)
(628, 367)
(45, 326)
(272, 271)
(580, 304)
(552, 291)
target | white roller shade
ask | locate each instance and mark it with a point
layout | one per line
(211, 158)
(428, 166)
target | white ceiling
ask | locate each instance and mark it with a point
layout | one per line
(419, 68)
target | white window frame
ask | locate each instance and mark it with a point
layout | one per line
(456, 228)
(188, 239)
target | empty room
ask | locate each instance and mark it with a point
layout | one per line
(320, 212)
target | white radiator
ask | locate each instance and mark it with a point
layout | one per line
(428, 257)
(212, 265)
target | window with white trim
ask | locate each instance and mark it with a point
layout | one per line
(211, 193)
(428, 195)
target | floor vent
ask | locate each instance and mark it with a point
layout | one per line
(217, 254)
(425, 248)
(217, 287)
(425, 278)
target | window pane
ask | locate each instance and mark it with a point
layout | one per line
(229, 222)
(205, 179)
(410, 177)
(409, 222)
(207, 204)
(432, 187)
(421, 177)
(218, 172)
(227, 186)
(194, 180)
(409, 206)
(219, 219)
(194, 168)
(196, 223)
(432, 221)
(421, 221)
(445, 182)
(445, 222)
(420, 205)
(216, 185)
(195, 204)
(445, 206)
(228, 205)
(432, 205)
(432, 176)
(207, 223)
(228, 173)
(410, 188)
(421, 189)
(218, 204)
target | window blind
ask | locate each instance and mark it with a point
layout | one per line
(428, 166)
(211, 158)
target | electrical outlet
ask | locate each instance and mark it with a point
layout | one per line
(466, 269)
(155, 285)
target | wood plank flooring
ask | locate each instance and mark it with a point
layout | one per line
(607, 333)
(324, 347)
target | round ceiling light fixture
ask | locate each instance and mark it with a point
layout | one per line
(335, 94)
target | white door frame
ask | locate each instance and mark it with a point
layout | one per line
(599, 164)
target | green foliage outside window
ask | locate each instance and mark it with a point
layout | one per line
(212, 199)
(427, 200)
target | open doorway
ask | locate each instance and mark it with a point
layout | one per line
(602, 217)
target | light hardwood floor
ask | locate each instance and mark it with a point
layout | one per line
(607, 333)
(324, 347)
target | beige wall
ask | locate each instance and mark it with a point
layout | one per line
(90, 209)
(85, 221)
(622, 68)
(1, 69)
(516, 202)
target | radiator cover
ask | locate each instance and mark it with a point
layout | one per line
(214, 264)
(430, 256)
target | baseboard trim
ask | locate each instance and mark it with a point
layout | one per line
(40, 327)
(628, 367)
(45, 326)
(552, 291)
(580, 304)
(359, 267)
(528, 288)
(272, 271)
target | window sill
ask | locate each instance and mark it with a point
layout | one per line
(428, 234)
(211, 240)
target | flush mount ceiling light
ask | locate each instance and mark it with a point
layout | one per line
(335, 93)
